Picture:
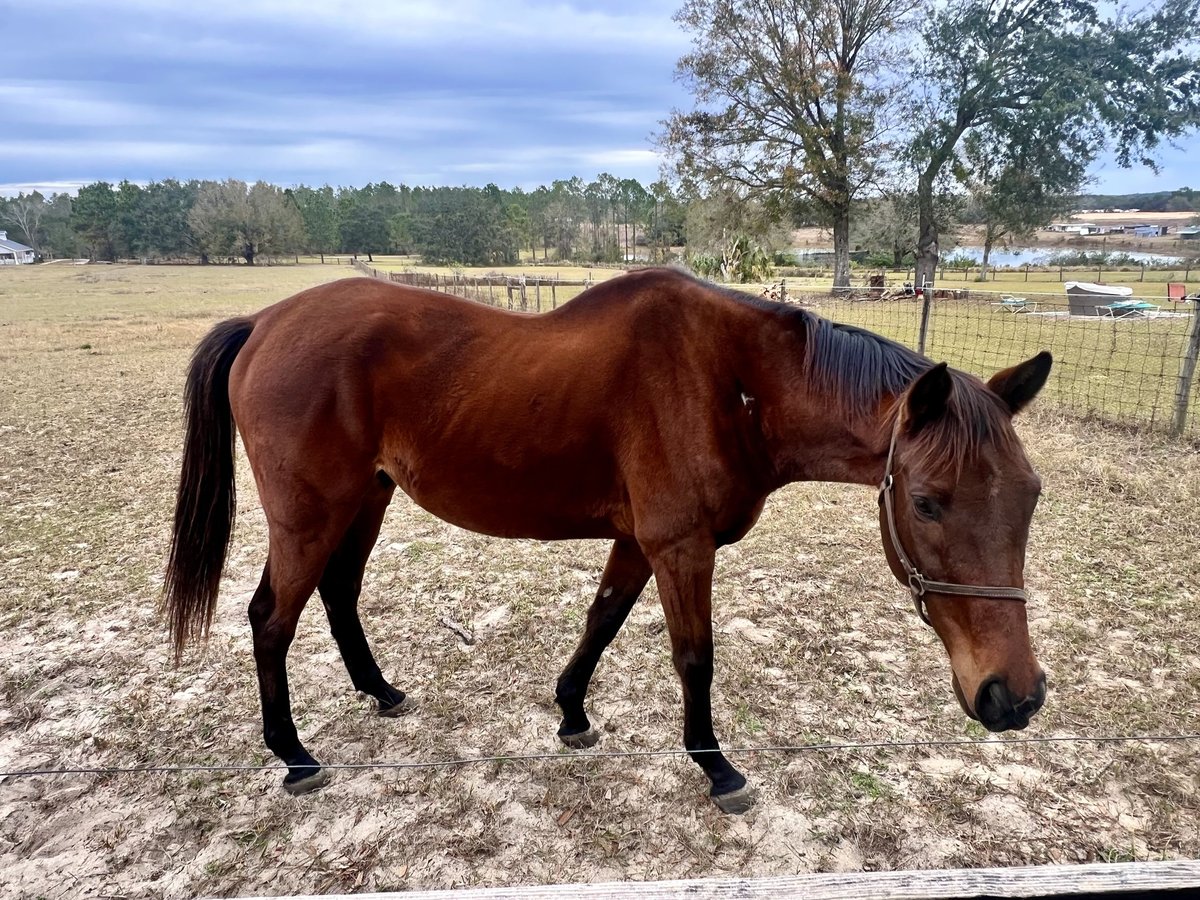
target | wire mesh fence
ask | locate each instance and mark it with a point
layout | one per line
(1131, 362)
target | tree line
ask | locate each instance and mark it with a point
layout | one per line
(1183, 200)
(606, 220)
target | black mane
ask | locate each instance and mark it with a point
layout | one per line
(866, 374)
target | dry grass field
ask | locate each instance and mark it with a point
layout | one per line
(816, 642)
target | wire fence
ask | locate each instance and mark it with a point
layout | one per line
(1129, 360)
(527, 293)
(574, 757)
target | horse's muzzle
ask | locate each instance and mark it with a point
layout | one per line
(998, 709)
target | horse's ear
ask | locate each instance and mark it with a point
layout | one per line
(1020, 384)
(927, 397)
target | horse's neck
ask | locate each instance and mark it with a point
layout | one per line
(810, 436)
(832, 447)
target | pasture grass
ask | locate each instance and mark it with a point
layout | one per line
(815, 642)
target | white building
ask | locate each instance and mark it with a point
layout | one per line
(12, 253)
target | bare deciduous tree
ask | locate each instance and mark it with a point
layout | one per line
(792, 101)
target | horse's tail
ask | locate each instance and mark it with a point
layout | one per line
(204, 508)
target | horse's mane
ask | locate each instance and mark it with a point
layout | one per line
(860, 370)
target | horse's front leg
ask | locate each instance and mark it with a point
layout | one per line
(684, 575)
(624, 577)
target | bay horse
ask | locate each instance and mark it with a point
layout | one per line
(656, 411)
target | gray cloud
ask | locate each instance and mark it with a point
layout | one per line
(426, 91)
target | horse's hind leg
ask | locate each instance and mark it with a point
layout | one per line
(624, 577)
(293, 567)
(340, 587)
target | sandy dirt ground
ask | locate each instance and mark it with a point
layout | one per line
(816, 642)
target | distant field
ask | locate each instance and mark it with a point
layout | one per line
(1152, 285)
(1165, 218)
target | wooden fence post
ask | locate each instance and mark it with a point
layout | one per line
(926, 307)
(537, 290)
(1187, 371)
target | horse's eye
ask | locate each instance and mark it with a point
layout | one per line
(926, 508)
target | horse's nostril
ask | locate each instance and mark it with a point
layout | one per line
(1034, 701)
(1002, 699)
(992, 705)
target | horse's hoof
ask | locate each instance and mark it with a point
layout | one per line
(404, 707)
(581, 740)
(735, 802)
(318, 779)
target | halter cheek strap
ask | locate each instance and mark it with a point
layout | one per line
(918, 584)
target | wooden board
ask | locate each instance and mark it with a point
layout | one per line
(1119, 881)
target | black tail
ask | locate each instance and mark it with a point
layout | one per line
(207, 500)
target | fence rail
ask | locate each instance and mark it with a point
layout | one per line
(1131, 881)
(1129, 365)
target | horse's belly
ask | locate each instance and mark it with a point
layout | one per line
(488, 500)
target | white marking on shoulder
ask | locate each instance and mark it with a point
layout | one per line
(607, 592)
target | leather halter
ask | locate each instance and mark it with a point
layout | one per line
(918, 584)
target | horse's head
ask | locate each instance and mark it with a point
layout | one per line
(960, 497)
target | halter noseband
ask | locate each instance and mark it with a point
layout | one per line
(918, 583)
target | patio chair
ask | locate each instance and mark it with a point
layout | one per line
(1015, 305)
(1123, 308)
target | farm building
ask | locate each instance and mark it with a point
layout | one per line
(1082, 228)
(1150, 230)
(1190, 233)
(12, 253)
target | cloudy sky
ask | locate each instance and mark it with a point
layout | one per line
(434, 92)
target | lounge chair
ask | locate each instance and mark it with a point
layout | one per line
(1123, 308)
(1015, 305)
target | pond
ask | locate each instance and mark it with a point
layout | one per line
(1040, 256)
